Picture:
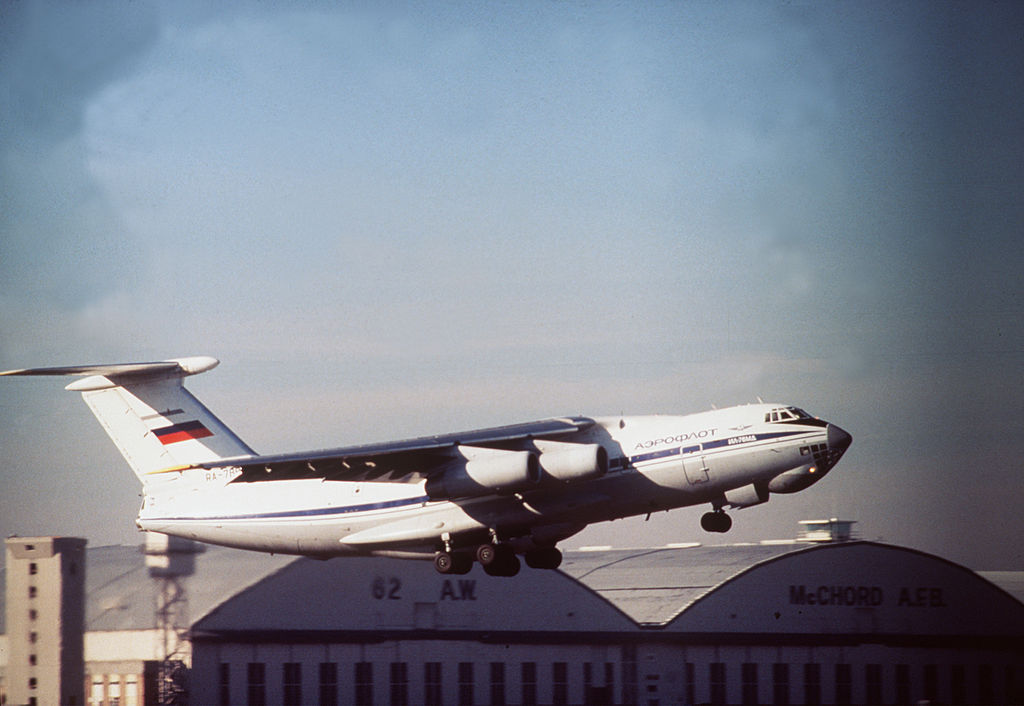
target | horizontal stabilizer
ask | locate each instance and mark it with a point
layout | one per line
(115, 369)
(176, 367)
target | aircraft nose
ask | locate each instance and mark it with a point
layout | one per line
(838, 440)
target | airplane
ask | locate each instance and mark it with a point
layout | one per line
(486, 496)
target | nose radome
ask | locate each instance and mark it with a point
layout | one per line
(838, 439)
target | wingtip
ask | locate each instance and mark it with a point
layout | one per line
(193, 365)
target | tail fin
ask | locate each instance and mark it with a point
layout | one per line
(156, 423)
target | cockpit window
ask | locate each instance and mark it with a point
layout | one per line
(782, 414)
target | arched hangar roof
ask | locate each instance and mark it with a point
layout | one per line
(855, 588)
(391, 599)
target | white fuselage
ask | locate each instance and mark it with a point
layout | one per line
(729, 458)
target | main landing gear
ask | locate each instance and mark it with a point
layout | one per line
(497, 559)
(716, 521)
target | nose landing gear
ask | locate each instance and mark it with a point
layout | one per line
(716, 521)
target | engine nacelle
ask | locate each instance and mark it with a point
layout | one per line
(483, 472)
(573, 462)
(748, 495)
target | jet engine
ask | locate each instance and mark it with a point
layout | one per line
(572, 462)
(746, 496)
(483, 472)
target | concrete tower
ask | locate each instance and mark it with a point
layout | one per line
(46, 620)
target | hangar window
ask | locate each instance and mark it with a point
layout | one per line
(812, 683)
(292, 683)
(560, 688)
(780, 683)
(466, 684)
(903, 683)
(873, 683)
(718, 691)
(256, 685)
(224, 683)
(529, 681)
(748, 675)
(958, 684)
(364, 683)
(985, 695)
(931, 682)
(328, 684)
(432, 683)
(691, 682)
(844, 683)
(399, 684)
(498, 683)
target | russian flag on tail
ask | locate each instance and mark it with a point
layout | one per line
(182, 432)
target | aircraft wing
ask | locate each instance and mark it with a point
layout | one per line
(409, 460)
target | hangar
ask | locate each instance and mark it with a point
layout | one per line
(777, 622)
(849, 622)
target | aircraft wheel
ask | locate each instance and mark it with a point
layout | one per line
(707, 521)
(545, 558)
(443, 562)
(715, 522)
(453, 563)
(487, 554)
(724, 523)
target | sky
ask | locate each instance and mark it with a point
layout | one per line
(396, 219)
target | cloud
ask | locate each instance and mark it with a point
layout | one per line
(62, 241)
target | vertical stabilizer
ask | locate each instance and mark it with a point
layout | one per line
(156, 423)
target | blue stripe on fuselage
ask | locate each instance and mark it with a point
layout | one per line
(729, 442)
(317, 512)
